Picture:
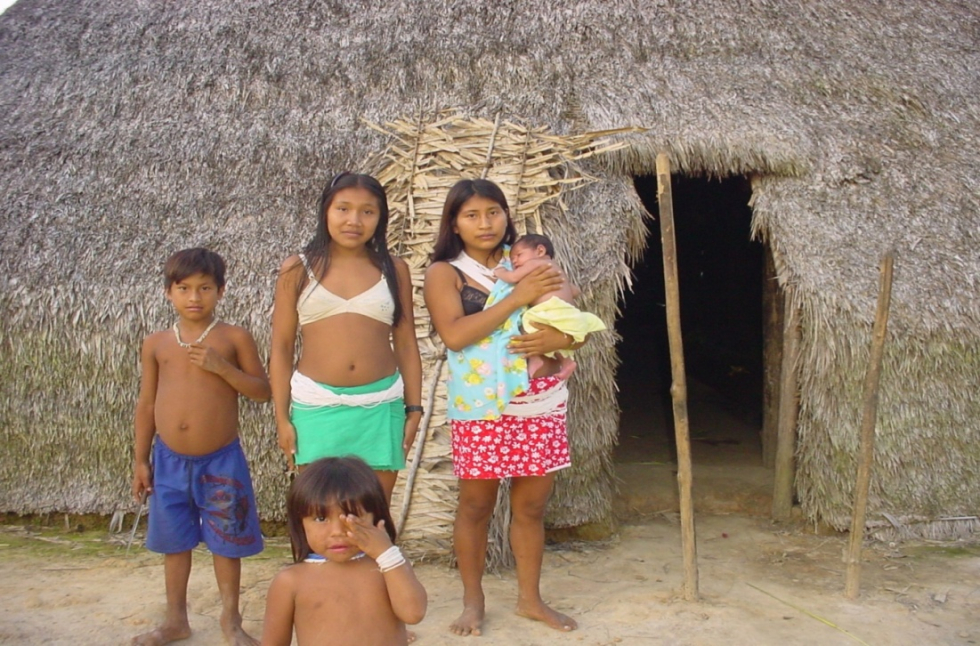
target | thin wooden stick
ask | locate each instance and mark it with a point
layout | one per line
(520, 179)
(869, 415)
(136, 523)
(678, 390)
(810, 614)
(493, 140)
(420, 444)
(410, 196)
(782, 493)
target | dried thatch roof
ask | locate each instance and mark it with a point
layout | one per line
(133, 129)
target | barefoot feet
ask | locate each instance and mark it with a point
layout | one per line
(469, 622)
(567, 368)
(539, 611)
(235, 635)
(163, 634)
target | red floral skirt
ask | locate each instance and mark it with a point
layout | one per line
(512, 447)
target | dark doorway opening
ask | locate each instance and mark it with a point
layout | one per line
(720, 272)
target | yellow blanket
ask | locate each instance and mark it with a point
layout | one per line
(564, 317)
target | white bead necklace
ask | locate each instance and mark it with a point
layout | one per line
(199, 339)
(319, 560)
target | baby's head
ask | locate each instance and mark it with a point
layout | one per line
(529, 247)
(347, 483)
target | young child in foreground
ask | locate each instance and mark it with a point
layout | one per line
(554, 309)
(198, 481)
(349, 585)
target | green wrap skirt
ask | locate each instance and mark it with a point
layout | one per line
(373, 433)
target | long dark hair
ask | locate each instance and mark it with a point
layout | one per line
(449, 244)
(346, 482)
(317, 250)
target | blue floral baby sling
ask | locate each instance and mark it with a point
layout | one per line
(485, 376)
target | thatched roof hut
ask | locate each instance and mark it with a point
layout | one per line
(134, 129)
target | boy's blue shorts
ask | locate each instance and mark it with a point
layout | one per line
(205, 497)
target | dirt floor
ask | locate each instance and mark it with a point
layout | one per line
(759, 584)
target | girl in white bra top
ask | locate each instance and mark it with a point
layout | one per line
(317, 302)
(356, 387)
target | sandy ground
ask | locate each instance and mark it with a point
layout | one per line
(759, 584)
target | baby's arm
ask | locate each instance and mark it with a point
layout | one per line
(515, 275)
(280, 603)
(248, 377)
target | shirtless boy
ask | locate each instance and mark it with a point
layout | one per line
(198, 483)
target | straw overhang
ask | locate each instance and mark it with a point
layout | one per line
(135, 129)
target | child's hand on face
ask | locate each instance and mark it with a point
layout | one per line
(206, 358)
(370, 539)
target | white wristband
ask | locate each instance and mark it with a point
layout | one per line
(390, 559)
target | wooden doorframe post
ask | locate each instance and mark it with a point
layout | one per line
(678, 389)
(789, 404)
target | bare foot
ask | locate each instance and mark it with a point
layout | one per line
(163, 634)
(567, 367)
(534, 363)
(541, 612)
(235, 635)
(469, 622)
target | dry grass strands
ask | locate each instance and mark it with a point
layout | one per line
(535, 169)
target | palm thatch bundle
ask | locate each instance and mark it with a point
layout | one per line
(135, 129)
(536, 171)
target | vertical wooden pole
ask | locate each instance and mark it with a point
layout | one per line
(772, 357)
(869, 414)
(782, 492)
(678, 389)
(420, 439)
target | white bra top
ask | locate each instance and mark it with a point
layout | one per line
(316, 302)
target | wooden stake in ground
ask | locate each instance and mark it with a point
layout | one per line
(869, 413)
(678, 389)
(782, 491)
(420, 438)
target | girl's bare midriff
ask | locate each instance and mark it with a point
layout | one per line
(347, 350)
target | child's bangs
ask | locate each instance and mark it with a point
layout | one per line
(322, 507)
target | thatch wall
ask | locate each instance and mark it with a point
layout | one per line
(132, 129)
(539, 173)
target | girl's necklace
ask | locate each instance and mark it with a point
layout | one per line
(199, 339)
(316, 558)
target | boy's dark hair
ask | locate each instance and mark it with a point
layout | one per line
(448, 243)
(317, 250)
(535, 240)
(188, 262)
(347, 482)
